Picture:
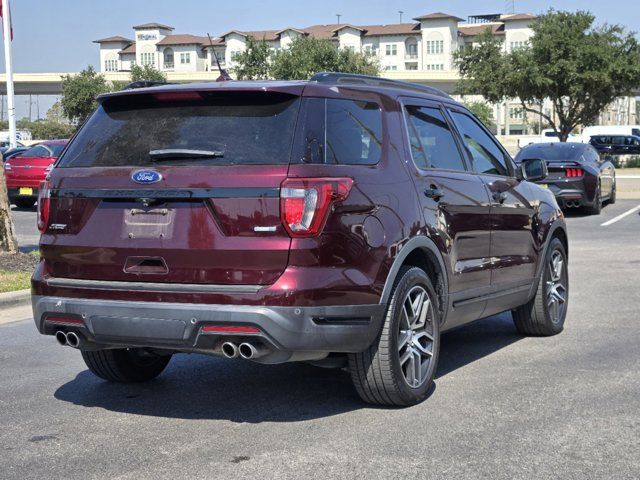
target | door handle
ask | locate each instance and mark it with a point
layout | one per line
(434, 192)
(499, 197)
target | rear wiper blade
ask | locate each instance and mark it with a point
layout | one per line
(182, 153)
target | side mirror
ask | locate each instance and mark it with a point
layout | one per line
(533, 170)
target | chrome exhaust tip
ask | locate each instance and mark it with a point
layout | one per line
(249, 351)
(61, 337)
(73, 340)
(230, 350)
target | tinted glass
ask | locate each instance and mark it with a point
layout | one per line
(37, 151)
(487, 156)
(353, 132)
(432, 143)
(56, 149)
(555, 152)
(249, 128)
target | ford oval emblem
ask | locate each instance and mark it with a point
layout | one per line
(146, 177)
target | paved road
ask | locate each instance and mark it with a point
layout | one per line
(24, 221)
(503, 406)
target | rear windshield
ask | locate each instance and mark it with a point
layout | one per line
(248, 128)
(556, 152)
(48, 150)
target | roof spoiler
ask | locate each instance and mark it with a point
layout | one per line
(145, 84)
(356, 79)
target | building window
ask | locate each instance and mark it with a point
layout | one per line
(435, 47)
(234, 54)
(168, 58)
(391, 67)
(370, 49)
(412, 66)
(517, 45)
(185, 57)
(147, 58)
(219, 56)
(515, 113)
(111, 65)
(435, 66)
(411, 49)
(391, 49)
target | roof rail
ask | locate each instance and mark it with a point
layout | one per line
(356, 79)
(144, 84)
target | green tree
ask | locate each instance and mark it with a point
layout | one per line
(579, 67)
(79, 94)
(307, 56)
(483, 112)
(253, 62)
(56, 113)
(147, 73)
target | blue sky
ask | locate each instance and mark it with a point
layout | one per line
(56, 35)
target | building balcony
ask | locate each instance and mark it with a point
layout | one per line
(169, 65)
(411, 56)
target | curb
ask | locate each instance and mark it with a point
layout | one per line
(15, 299)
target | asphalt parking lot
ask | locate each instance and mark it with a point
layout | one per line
(503, 406)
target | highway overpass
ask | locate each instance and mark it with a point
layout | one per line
(51, 83)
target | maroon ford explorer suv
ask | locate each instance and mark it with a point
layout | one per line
(342, 221)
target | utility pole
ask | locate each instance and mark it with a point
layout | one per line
(338, 17)
(11, 109)
(400, 12)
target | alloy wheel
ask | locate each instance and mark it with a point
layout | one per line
(415, 336)
(556, 287)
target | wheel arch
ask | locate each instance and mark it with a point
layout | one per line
(421, 252)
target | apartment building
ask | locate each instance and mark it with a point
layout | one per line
(421, 50)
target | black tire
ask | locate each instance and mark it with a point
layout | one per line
(536, 317)
(596, 208)
(377, 373)
(24, 202)
(612, 198)
(127, 365)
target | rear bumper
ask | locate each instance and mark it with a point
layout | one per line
(290, 333)
(15, 192)
(569, 194)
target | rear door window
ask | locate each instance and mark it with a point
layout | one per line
(245, 128)
(432, 143)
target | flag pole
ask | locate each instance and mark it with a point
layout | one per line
(11, 109)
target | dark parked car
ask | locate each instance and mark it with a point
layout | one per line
(13, 152)
(344, 220)
(616, 144)
(26, 171)
(577, 175)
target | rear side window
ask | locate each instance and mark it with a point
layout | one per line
(245, 128)
(37, 151)
(339, 131)
(432, 143)
(354, 132)
(487, 156)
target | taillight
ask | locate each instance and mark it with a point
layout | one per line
(305, 203)
(44, 201)
(574, 172)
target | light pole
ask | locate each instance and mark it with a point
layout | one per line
(338, 17)
(400, 12)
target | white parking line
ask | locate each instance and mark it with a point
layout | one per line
(621, 216)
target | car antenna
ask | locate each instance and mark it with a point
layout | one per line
(224, 75)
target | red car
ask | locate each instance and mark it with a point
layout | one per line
(25, 172)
